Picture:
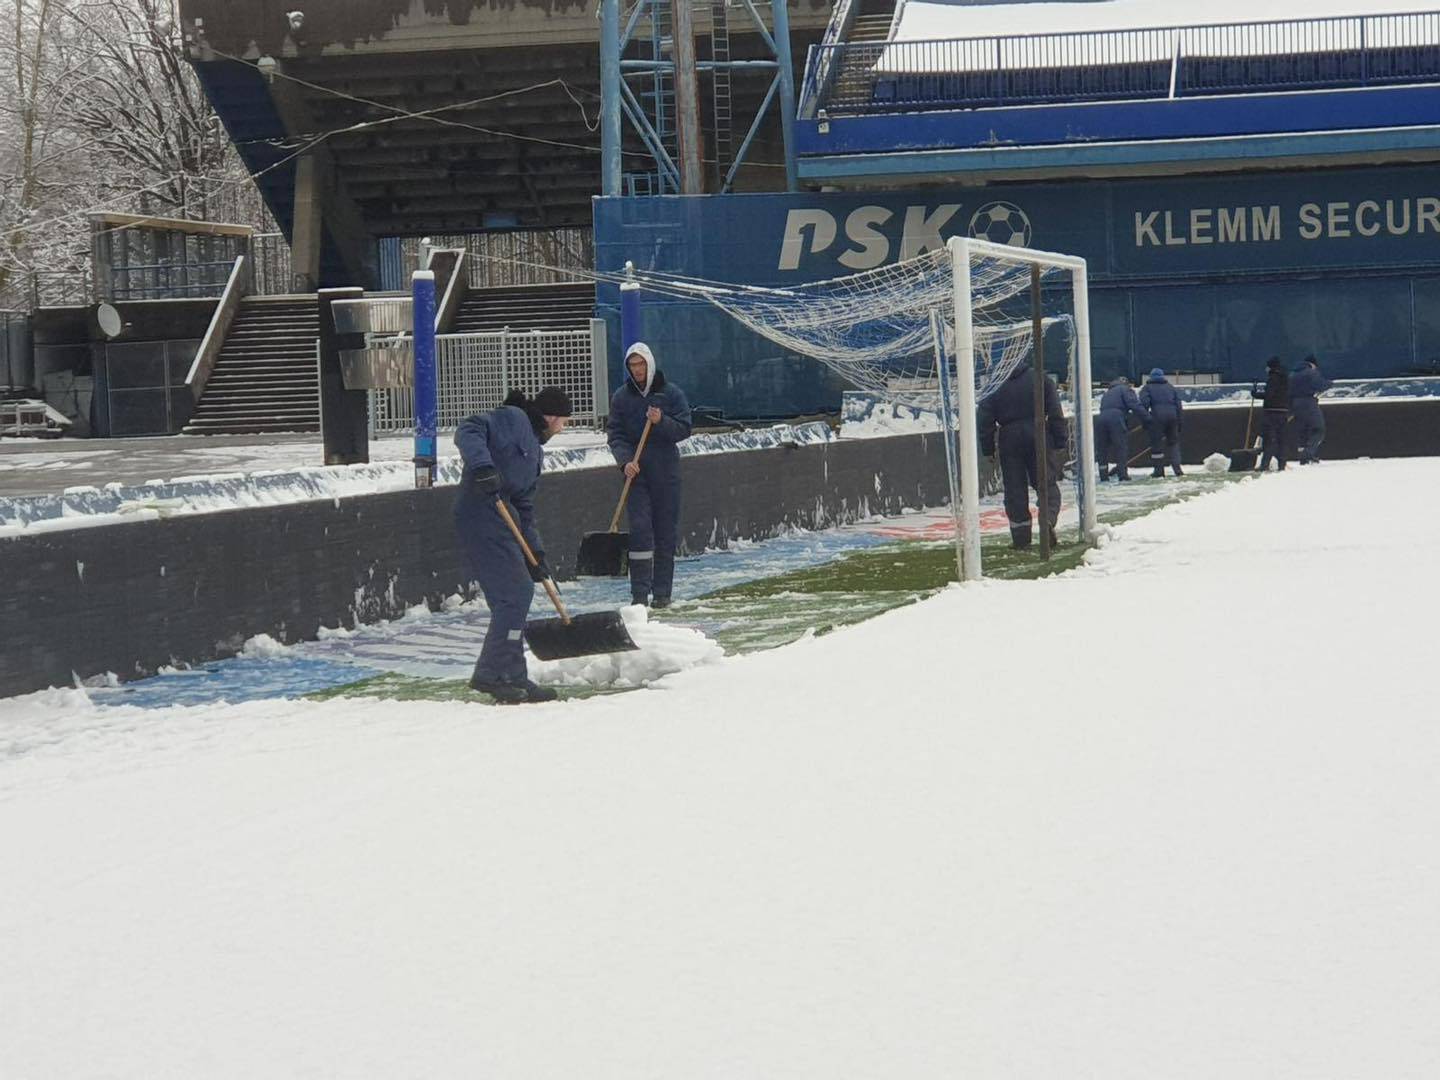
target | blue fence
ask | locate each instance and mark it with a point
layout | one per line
(1169, 62)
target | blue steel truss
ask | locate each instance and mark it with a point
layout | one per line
(650, 109)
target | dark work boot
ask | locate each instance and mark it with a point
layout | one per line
(1156, 472)
(535, 693)
(503, 691)
(1177, 469)
(660, 602)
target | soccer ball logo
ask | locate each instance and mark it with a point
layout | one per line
(1001, 223)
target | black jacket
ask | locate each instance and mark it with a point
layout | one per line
(1013, 402)
(1277, 391)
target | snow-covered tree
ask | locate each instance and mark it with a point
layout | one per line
(106, 114)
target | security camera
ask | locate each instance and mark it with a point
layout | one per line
(296, 19)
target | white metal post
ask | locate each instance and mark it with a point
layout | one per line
(1084, 424)
(970, 569)
(947, 434)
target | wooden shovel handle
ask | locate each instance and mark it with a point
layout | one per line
(550, 589)
(625, 491)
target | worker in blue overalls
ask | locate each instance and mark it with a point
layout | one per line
(503, 452)
(654, 502)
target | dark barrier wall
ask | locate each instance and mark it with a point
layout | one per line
(1354, 430)
(130, 597)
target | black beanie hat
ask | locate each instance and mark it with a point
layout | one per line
(552, 401)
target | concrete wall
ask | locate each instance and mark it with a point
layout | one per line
(139, 377)
(130, 597)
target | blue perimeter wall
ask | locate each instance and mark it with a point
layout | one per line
(1209, 274)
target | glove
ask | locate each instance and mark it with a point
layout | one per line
(541, 570)
(486, 481)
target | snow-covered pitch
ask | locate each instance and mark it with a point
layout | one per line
(1171, 815)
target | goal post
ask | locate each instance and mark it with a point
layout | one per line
(967, 515)
(895, 330)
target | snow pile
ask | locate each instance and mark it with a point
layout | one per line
(1217, 462)
(261, 646)
(663, 650)
(888, 418)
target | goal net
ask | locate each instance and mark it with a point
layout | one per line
(939, 331)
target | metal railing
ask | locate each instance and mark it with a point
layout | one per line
(214, 340)
(476, 371)
(1168, 62)
(819, 72)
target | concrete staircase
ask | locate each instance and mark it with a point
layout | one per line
(872, 26)
(526, 307)
(856, 77)
(266, 377)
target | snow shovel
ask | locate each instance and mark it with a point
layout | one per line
(569, 635)
(602, 554)
(1243, 459)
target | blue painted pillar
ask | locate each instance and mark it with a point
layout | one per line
(787, 90)
(610, 97)
(427, 396)
(632, 319)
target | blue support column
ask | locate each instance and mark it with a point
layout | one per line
(427, 397)
(632, 321)
(610, 97)
(787, 90)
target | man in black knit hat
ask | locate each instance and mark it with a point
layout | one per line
(503, 453)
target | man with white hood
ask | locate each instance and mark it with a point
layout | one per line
(654, 503)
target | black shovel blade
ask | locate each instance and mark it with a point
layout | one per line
(1242, 460)
(583, 635)
(602, 554)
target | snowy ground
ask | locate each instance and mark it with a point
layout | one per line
(1198, 840)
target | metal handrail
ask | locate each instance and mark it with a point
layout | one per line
(817, 77)
(1236, 57)
(456, 286)
(214, 339)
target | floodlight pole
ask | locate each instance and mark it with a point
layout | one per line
(969, 538)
